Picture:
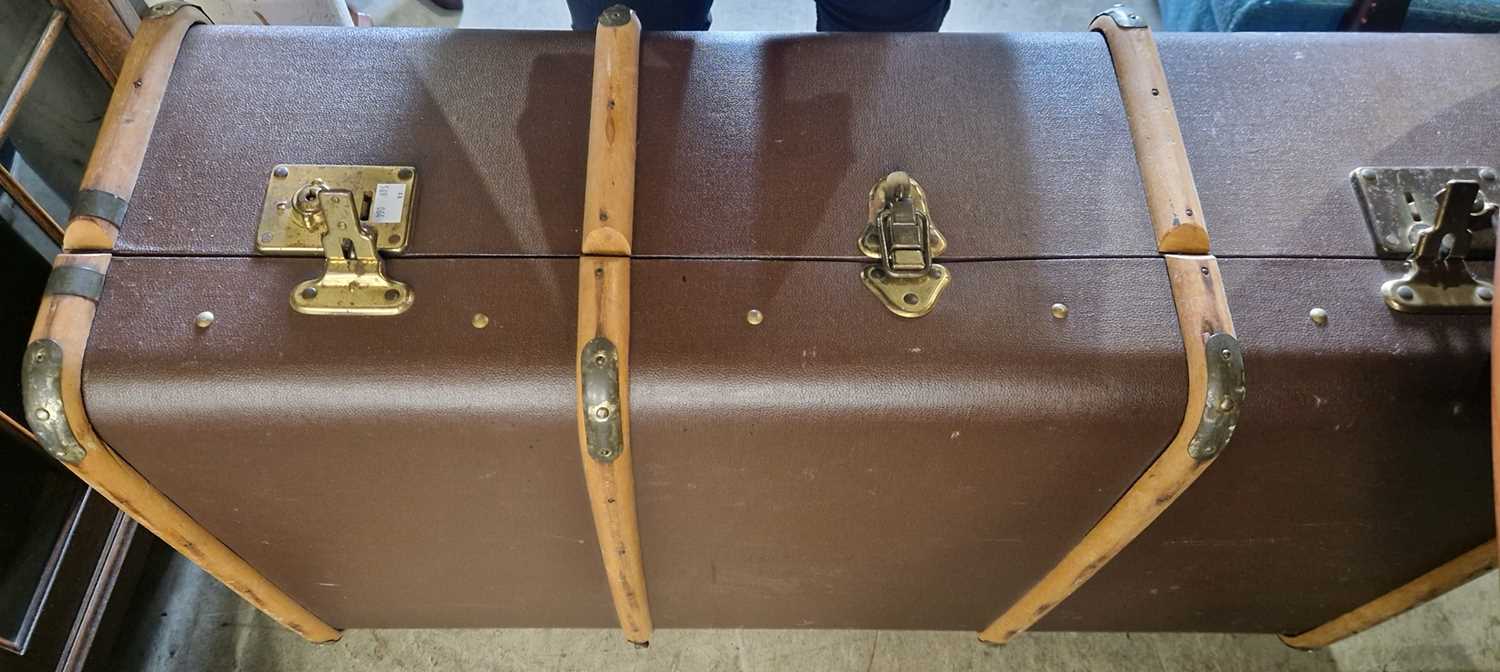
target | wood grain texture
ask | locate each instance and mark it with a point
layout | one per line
(68, 320)
(604, 310)
(609, 187)
(115, 162)
(1426, 587)
(1171, 194)
(102, 33)
(1198, 292)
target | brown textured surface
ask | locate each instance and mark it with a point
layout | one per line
(1274, 123)
(744, 130)
(786, 474)
(775, 486)
(1361, 462)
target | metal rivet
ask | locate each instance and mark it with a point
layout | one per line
(404, 173)
(910, 299)
(1225, 355)
(1226, 404)
(392, 294)
(280, 171)
(1368, 174)
(1487, 174)
(265, 237)
(602, 413)
(1406, 293)
(43, 414)
(1485, 293)
(754, 317)
(281, 205)
(393, 239)
(480, 320)
(1060, 311)
(935, 274)
(1204, 269)
(1318, 316)
(1155, 92)
(309, 292)
(204, 319)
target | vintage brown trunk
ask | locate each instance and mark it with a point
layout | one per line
(831, 464)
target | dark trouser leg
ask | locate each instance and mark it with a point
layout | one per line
(888, 16)
(654, 14)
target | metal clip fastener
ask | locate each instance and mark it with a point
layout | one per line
(353, 280)
(1223, 398)
(901, 236)
(1437, 278)
(599, 371)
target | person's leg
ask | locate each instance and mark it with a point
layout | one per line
(887, 16)
(654, 14)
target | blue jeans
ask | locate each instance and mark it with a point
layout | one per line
(890, 16)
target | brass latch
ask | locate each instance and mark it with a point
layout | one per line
(350, 214)
(900, 234)
(1437, 278)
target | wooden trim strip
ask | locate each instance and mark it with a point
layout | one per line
(1450, 575)
(1198, 291)
(39, 53)
(67, 320)
(609, 185)
(115, 163)
(1202, 312)
(1171, 194)
(604, 311)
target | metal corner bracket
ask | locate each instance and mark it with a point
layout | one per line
(1223, 399)
(1124, 17)
(41, 395)
(599, 377)
(900, 234)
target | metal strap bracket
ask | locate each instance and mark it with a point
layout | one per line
(41, 393)
(599, 371)
(100, 205)
(75, 281)
(1223, 399)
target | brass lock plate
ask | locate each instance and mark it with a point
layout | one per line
(1400, 203)
(384, 198)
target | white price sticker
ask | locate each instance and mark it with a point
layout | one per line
(390, 201)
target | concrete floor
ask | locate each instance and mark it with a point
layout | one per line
(185, 621)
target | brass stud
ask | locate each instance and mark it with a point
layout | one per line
(480, 320)
(1318, 316)
(754, 317)
(204, 319)
(1060, 311)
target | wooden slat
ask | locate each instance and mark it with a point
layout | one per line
(29, 72)
(67, 320)
(115, 162)
(102, 32)
(1198, 291)
(604, 310)
(1424, 588)
(604, 306)
(1171, 195)
(609, 186)
(28, 204)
